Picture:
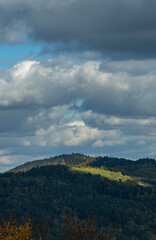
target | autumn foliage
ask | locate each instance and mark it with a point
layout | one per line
(10, 230)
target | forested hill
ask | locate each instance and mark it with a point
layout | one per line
(139, 168)
(49, 193)
(120, 194)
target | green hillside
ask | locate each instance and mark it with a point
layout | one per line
(114, 176)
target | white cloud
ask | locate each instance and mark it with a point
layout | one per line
(59, 104)
(76, 124)
(59, 82)
(73, 134)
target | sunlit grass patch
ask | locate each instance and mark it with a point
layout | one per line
(116, 176)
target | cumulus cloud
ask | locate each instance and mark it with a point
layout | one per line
(58, 104)
(104, 87)
(72, 134)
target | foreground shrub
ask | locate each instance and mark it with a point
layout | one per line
(10, 230)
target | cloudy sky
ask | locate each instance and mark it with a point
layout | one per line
(77, 76)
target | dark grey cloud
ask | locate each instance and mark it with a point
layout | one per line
(120, 28)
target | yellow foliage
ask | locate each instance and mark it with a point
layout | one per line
(10, 230)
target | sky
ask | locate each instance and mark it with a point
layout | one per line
(77, 76)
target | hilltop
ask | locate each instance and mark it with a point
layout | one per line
(64, 159)
(141, 169)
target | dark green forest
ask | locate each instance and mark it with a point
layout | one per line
(47, 190)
